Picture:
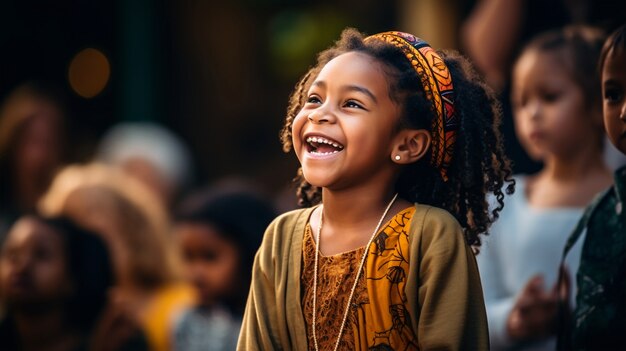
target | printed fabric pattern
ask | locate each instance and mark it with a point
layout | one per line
(379, 317)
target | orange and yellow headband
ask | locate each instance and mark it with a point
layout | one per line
(437, 82)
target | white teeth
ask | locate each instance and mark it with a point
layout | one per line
(323, 141)
(325, 153)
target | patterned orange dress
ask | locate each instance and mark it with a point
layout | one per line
(379, 317)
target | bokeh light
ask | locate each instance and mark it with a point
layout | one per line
(89, 72)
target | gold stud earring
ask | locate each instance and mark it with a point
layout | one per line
(397, 157)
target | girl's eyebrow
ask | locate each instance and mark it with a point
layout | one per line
(352, 87)
(361, 90)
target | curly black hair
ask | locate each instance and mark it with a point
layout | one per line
(479, 165)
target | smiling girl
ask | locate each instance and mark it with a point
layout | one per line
(398, 146)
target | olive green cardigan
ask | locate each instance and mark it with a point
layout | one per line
(444, 294)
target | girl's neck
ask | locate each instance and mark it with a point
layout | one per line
(45, 331)
(568, 182)
(575, 167)
(350, 217)
(345, 208)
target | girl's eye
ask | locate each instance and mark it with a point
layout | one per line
(353, 104)
(612, 95)
(551, 97)
(210, 256)
(313, 99)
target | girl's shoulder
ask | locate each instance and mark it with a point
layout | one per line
(435, 230)
(428, 213)
(291, 219)
(433, 221)
(286, 228)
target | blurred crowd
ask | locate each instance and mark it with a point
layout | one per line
(111, 254)
(126, 252)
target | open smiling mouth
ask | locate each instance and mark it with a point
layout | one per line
(322, 146)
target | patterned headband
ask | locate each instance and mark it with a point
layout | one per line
(437, 83)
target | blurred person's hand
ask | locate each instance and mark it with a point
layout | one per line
(118, 327)
(534, 315)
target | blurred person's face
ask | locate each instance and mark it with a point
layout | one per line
(212, 263)
(38, 150)
(551, 114)
(33, 269)
(614, 97)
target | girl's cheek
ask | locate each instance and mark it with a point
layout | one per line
(298, 123)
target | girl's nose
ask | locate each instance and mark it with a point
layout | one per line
(622, 114)
(321, 116)
(533, 109)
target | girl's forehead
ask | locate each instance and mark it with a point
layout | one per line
(541, 65)
(351, 62)
(534, 57)
(613, 68)
(353, 68)
(30, 230)
(615, 59)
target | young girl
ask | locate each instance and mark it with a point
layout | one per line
(599, 319)
(556, 101)
(380, 124)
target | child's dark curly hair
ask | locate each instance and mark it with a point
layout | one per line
(479, 165)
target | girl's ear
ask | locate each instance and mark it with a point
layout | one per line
(410, 145)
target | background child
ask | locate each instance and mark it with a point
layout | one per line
(556, 101)
(219, 233)
(599, 318)
(54, 279)
(378, 116)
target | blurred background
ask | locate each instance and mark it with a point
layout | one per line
(216, 73)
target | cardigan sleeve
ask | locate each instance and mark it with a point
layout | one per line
(258, 329)
(273, 317)
(450, 311)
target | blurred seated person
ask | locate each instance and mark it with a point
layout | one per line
(135, 226)
(54, 278)
(32, 124)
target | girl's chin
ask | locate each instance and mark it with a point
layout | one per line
(315, 179)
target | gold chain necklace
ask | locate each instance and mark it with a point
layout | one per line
(358, 274)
